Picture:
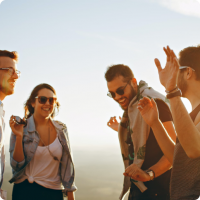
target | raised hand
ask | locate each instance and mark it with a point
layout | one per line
(136, 173)
(113, 123)
(169, 75)
(17, 129)
(148, 110)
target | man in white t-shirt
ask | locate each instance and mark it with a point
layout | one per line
(8, 77)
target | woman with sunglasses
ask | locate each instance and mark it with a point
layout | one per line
(40, 153)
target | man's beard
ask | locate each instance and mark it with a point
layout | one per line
(182, 85)
(5, 89)
(132, 95)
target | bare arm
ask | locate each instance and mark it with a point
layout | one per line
(188, 133)
(164, 133)
(70, 196)
(169, 134)
(161, 166)
(165, 142)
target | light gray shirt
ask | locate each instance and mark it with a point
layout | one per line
(2, 137)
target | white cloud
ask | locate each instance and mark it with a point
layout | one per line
(1, 1)
(186, 7)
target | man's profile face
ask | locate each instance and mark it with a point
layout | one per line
(129, 92)
(7, 82)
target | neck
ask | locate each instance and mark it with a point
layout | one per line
(40, 121)
(193, 95)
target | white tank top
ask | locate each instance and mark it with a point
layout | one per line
(43, 169)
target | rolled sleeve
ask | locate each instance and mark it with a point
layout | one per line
(14, 164)
(72, 189)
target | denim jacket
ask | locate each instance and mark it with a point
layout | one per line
(30, 143)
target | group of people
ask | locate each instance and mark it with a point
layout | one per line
(40, 153)
(159, 140)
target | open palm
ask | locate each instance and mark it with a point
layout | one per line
(169, 75)
(148, 110)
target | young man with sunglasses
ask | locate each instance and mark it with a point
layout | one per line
(8, 78)
(147, 172)
(180, 77)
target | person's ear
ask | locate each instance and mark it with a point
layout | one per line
(134, 83)
(190, 73)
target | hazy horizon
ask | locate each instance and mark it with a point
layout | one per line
(100, 179)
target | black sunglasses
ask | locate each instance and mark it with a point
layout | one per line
(43, 99)
(119, 91)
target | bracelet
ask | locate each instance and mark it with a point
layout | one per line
(151, 173)
(171, 90)
(174, 94)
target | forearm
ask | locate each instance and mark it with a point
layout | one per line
(18, 154)
(70, 195)
(187, 133)
(166, 144)
(161, 166)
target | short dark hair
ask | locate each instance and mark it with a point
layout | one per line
(29, 110)
(117, 70)
(190, 57)
(10, 54)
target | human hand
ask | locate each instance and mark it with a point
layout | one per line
(113, 123)
(169, 75)
(148, 110)
(136, 173)
(17, 129)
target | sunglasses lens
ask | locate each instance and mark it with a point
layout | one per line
(120, 91)
(51, 100)
(42, 100)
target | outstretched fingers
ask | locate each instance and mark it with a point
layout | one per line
(158, 65)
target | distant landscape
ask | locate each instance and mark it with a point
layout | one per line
(98, 174)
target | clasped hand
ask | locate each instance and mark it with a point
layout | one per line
(136, 173)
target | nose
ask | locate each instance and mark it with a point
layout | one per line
(47, 102)
(15, 75)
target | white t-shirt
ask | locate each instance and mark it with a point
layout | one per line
(43, 169)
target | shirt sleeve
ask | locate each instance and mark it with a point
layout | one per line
(16, 166)
(164, 111)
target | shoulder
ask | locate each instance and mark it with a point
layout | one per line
(60, 124)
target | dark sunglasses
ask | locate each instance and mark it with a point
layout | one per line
(119, 91)
(43, 99)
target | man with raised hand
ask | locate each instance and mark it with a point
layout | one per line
(8, 77)
(180, 77)
(147, 172)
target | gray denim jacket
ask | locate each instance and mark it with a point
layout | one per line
(30, 143)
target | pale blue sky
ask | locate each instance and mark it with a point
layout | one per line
(69, 44)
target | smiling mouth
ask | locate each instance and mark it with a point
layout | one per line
(122, 101)
(46, 109)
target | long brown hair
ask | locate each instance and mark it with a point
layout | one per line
(29, 110)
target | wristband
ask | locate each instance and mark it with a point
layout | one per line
(171, 90)
(174, 94)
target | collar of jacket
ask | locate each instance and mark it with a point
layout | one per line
(31, 124)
